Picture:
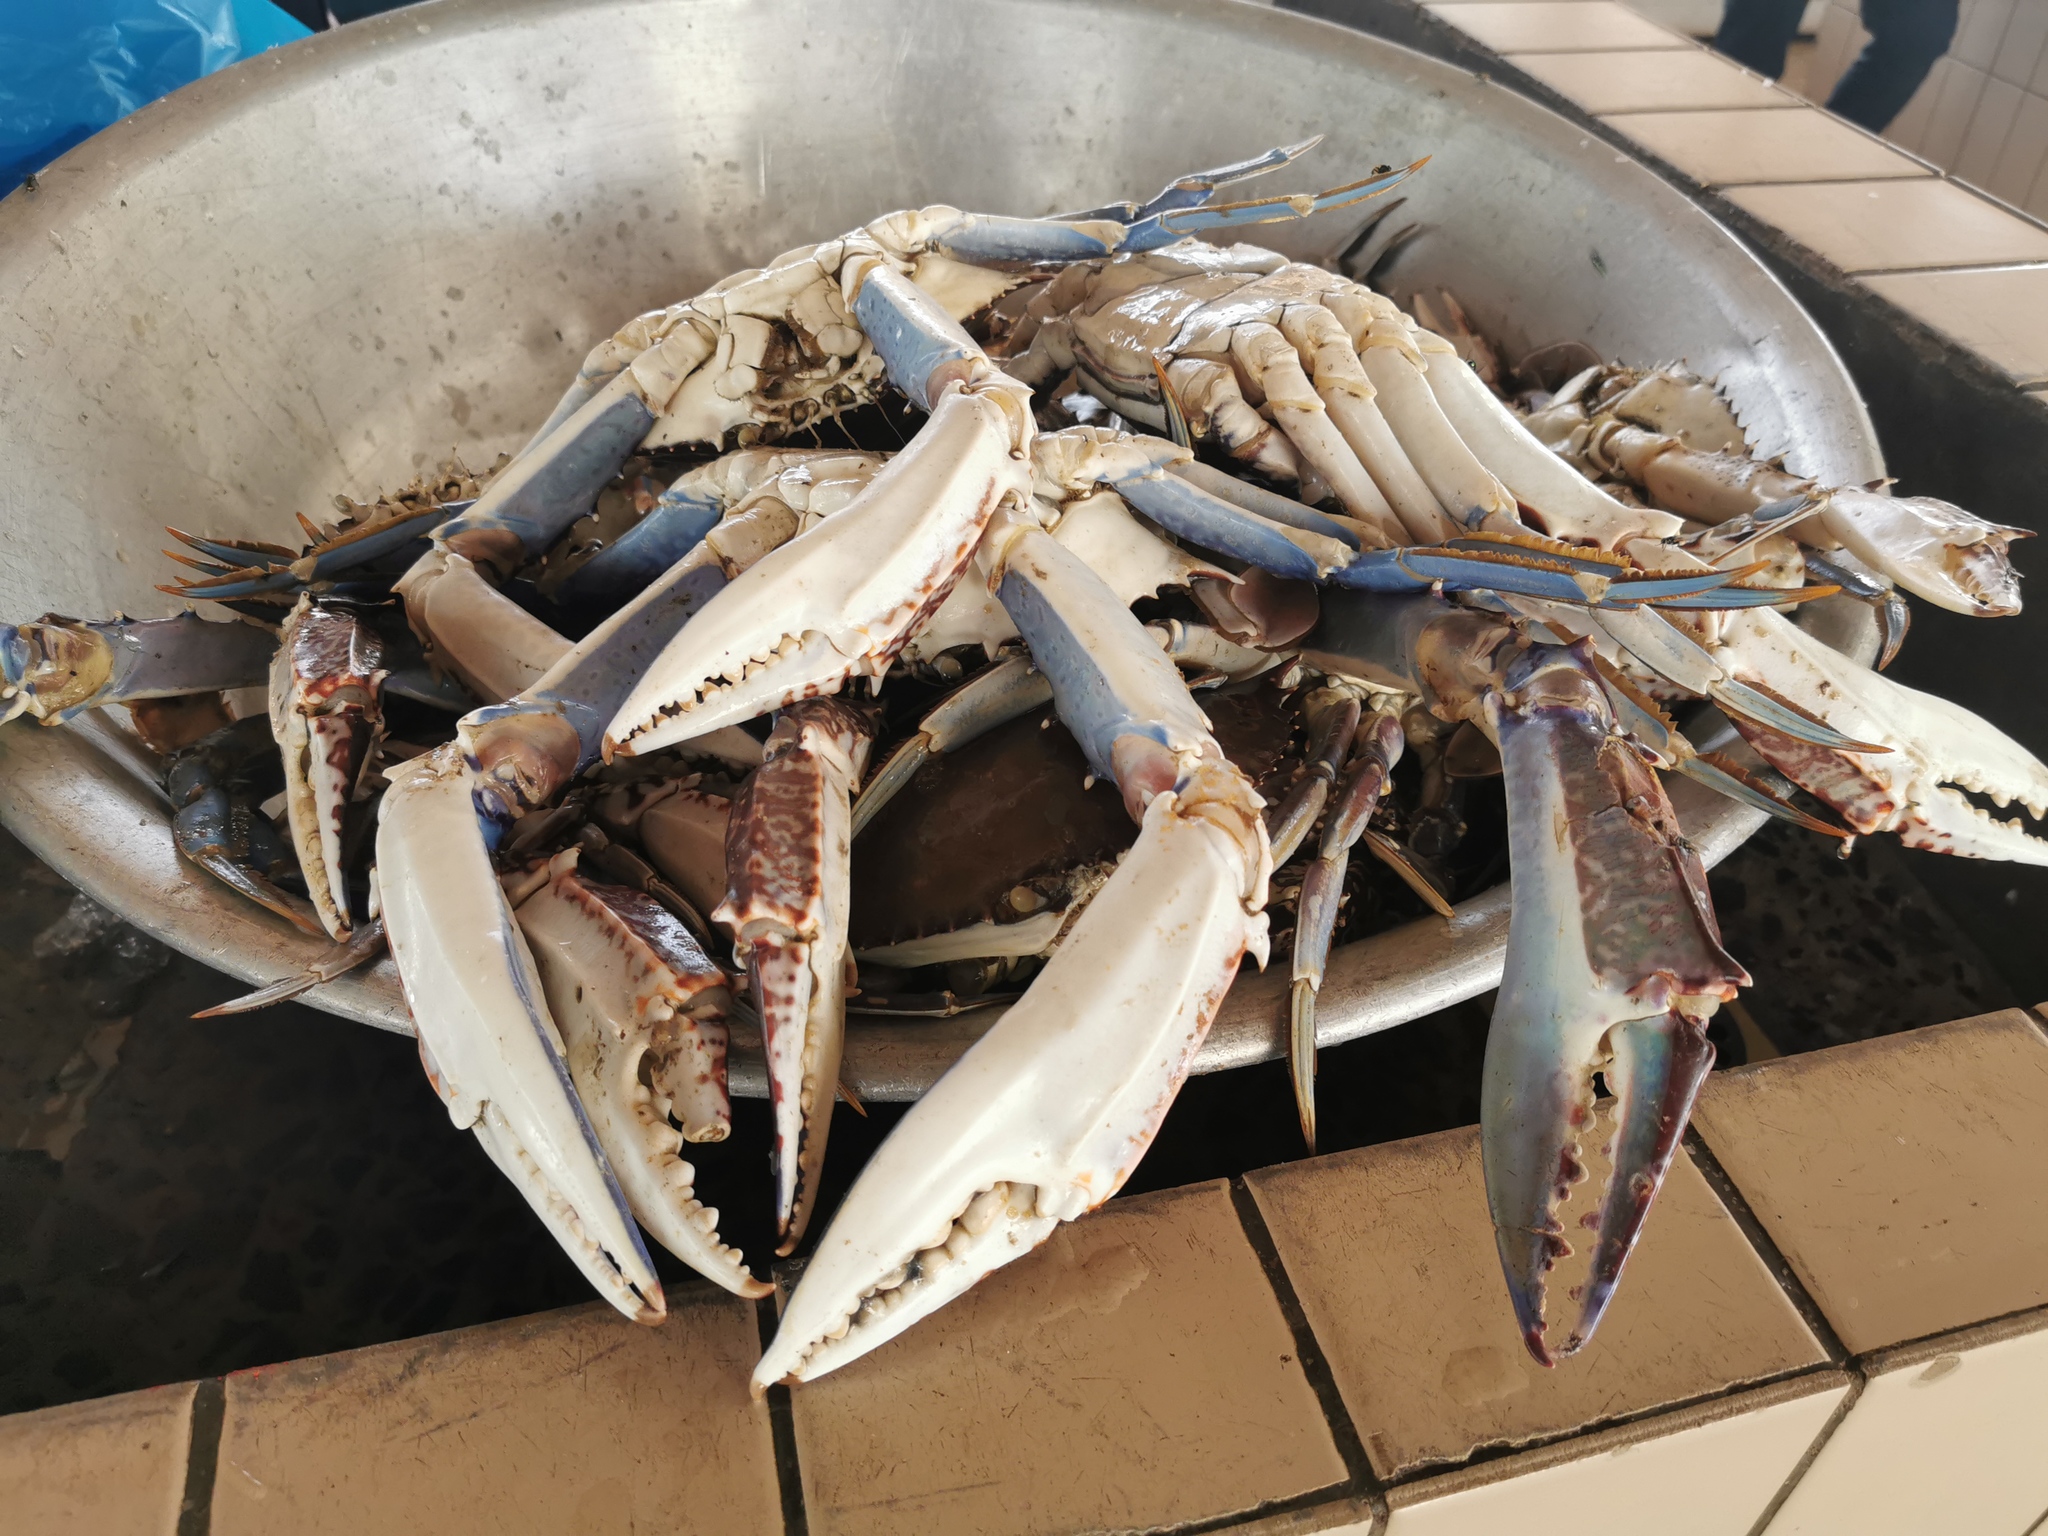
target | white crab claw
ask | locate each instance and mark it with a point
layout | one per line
(489, 1046)
(1047, 1114)
(844, 597)
(1934, 549)
(641, 1009)
(1937, 748)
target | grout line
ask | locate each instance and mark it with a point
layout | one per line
(1766, 1248)
(202, 1457)
(1820, 1443)
(789, 1479)
(1307, 1349)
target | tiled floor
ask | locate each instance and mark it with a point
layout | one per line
(1319, 1348)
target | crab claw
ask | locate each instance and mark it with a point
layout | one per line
(641, 1009)
(1932, 548)
(844, 598)
(326, 717)
(486, 1040)
(1046, 1115)
(1614, 964)
(787, 843)
(1937, 748)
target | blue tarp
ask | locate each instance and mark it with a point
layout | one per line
(70, 67)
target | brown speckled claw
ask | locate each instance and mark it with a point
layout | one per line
(787, 845)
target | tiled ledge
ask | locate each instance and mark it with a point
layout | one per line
(1837, 1320)
(1962, 269)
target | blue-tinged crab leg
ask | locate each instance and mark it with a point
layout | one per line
(56, 667)
(1193, 189)
(350, 551)
(1138, 470)
(1376, 748)
(1048, 1112)
(215, 824)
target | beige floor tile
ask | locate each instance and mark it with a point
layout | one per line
(1392, 1254)
(1559, 26)
(2001, 315)
(1135, 1371)
(1665, 81)
(1729, 1457)
(1721, 148)
(1881, 226)
(1905, 1179)
(1947, 1437)
(111, 1467)
(567, 1421)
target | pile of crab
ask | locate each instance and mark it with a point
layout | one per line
(1244, 527)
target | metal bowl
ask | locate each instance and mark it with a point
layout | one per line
(325, 267)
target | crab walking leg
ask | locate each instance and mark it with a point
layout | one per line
(1570, 506)
(1378, 746)
(1325, 346)
(1332, 715)
(1464, 488)
(55, 668)
(636, 997)
(1936, 748)
(327, 718)
(787, 845)
(1613, 957)
(1270, 361)
(487, 1041)
(1046, 1115)
(843, 599)
(1932, 548)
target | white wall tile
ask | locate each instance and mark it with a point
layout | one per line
(1984, 140)
(2036, 201)
(2026, 148)
(2024, 40)
(1950, 1444)
(1979, 31)
(1960, 92)
(1729, 1469)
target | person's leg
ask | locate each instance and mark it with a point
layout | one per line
(1756, 33)
(1906, 37)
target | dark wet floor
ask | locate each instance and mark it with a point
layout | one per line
(182, 1198)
